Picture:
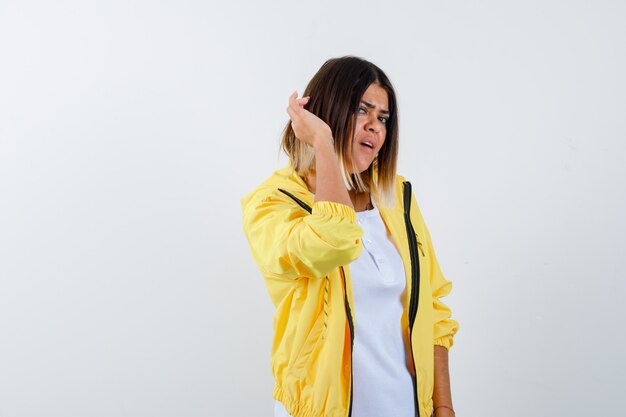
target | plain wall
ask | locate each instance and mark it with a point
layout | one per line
(130, 130)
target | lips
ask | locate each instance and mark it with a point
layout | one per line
(367, 148)
(368, 144)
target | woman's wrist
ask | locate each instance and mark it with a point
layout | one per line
(323, 143)
(445, 408)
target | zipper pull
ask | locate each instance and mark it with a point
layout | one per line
(419, 245)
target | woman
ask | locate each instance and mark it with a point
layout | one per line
(348, 261)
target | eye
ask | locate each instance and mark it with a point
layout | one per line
(362, 110)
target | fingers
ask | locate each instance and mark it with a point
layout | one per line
(303, 101)
(293, 102)
(295, 108)
(297, 103)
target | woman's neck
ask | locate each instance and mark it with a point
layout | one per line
(360, 201)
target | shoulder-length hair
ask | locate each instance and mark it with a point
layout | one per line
(336, 91)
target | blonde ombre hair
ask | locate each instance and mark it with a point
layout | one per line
(336, 91)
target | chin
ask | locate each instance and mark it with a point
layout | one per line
(362, 162)
(361, 167)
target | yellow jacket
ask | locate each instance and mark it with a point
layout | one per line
(303, 249)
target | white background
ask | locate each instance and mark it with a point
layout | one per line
(130, 130)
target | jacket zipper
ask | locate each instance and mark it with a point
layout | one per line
(415, 279)
(351, 325)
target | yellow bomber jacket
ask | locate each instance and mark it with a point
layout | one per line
(303, 249)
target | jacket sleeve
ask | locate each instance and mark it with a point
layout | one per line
(444, 327)
(289, 242)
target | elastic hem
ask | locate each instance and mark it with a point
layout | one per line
(293, 408)
(445, 341)
(333, 207)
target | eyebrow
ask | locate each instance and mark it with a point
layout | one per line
(371, 106)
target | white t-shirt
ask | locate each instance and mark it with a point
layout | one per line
(383, 386)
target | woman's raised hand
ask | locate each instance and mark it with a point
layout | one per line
(307, 127)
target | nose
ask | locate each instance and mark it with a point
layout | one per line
(373, 125)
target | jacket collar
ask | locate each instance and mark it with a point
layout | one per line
(290, 174)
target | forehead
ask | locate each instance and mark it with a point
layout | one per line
(376, 95)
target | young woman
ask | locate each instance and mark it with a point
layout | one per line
(347, 259)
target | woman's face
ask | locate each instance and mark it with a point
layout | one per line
(370, 130)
